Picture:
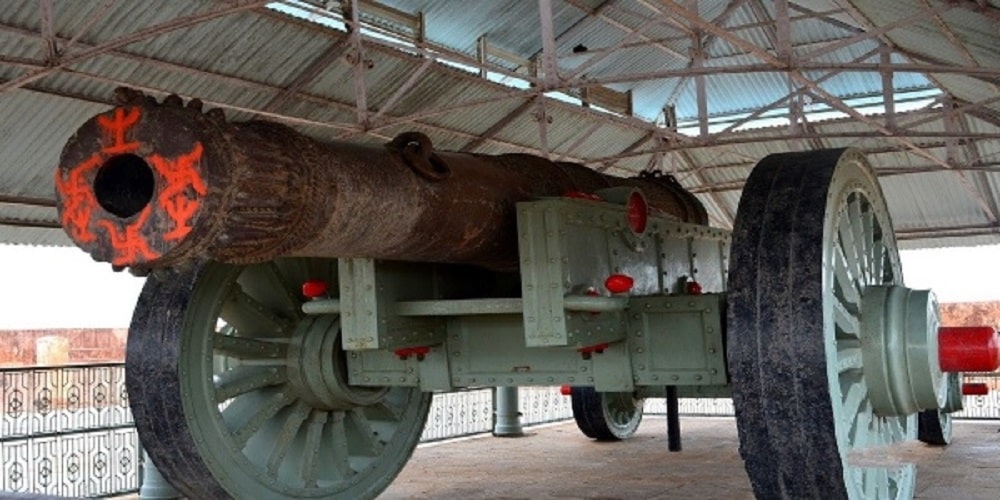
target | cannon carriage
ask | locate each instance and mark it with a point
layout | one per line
(305, 299)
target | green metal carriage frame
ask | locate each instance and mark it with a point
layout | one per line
(248, 389)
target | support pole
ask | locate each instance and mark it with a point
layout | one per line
(673, 420)
(153, 483)
(508, 417)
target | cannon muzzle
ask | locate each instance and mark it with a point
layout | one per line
(149, 185)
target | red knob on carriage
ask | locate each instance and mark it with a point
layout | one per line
(313, 289)
(619, 283)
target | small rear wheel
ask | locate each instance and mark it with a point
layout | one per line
(606, 416)
(934, 425)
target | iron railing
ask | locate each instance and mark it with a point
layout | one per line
(982, 407)
(67, 430)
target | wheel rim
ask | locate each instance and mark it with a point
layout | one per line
(812, 233)
(265, 398)
(622, 413)
(860, 243)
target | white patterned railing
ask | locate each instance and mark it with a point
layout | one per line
(68, 431)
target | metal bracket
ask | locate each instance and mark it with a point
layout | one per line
(369, 292)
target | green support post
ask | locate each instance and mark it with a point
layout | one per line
(507, 413)
(154, 486)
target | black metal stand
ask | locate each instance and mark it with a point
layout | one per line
(673, 420)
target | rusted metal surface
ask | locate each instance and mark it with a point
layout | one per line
(150, 185)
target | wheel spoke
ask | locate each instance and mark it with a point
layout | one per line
(848, 358)
(870, 483)
(868, 237)
(882, 480)
(860, 436)
(904, 479)
(245, 419)
(250, 317)
(846, 323)
(338, 442)
(311, 449)
(366, 442)
(878, 262)
(853, 404)
(290, 428)
(845, 283)
(248, 348)
(850, 248)
(269, 285)
(383, 410)
(243, 379)
(860, 241)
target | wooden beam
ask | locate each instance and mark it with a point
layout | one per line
(31, 201)
(549, 67)
(359, 63)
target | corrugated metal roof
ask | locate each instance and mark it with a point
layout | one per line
(250, 63)
(33, 128)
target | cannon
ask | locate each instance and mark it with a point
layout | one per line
(306, 298)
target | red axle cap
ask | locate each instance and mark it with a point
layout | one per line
(968, 349)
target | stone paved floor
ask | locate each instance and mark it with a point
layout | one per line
(557, 462)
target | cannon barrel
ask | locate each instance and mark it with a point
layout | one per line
(149, 185)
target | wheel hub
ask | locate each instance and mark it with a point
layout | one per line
(900, 350)
(317, 369)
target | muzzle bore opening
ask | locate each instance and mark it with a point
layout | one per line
(124, 185)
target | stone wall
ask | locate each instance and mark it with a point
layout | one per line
(62, 346)
(971, 314)
(102, 345)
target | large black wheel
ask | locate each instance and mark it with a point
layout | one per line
(606, 416)
(811, 235)
(236, 393)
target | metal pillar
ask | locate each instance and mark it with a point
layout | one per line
(153, 483)
(508, 418)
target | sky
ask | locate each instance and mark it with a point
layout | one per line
(43, 287)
